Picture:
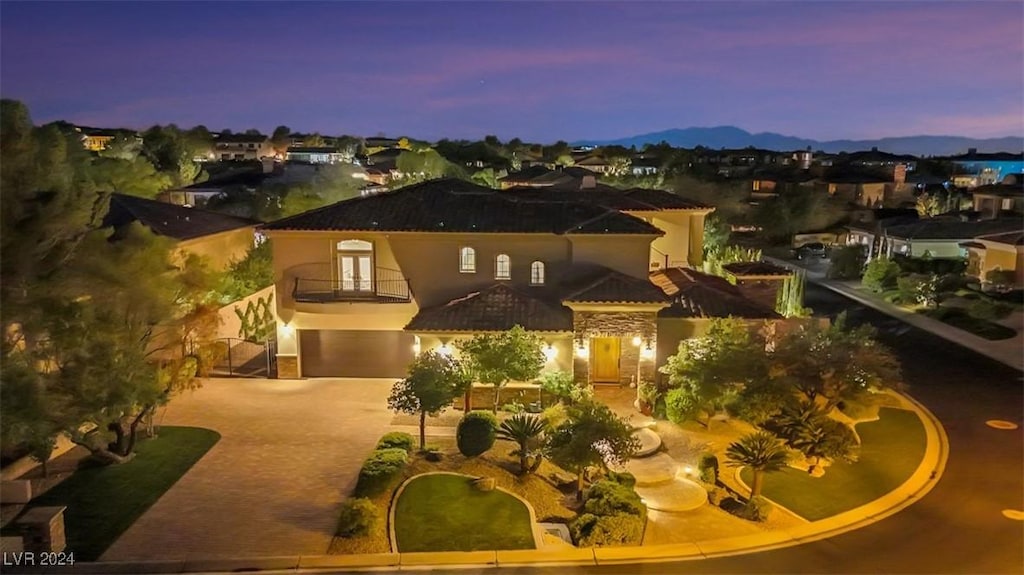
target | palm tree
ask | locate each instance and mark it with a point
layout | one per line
(825, 438)
(760, 451)
(525, 431)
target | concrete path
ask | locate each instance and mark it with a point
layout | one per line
(289, 453)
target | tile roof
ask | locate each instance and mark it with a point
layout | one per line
(610, 286)
(635, 199)
(170, 220)
(952, 229)
(497, 308)
(740, 269)
(699, 295)
(451, 205)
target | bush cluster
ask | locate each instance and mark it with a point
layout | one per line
(680, 406)
(612, 514)
(988, 309)
(708, 467)
(476, 433)
(397, 439)
(930, 266)
(358, 517)
(379, 469)
(880, 274)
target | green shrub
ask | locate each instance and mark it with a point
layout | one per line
(397, 439)
(589, 530)
(358, 517)
(476, 433)
(847, 263)
(708, 467)
(626, 479)
(918, 288)
(554, 415)
(988, 309)
(680, 407)
(880, 274)
(379, 469)
(757, 509)
(610, 498)
(929, 265)
(559, 384)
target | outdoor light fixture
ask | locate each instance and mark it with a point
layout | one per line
(688, 470)
(637, 341)
(647, 352)
(582, 351)
(445, 349)
(287, 330)
(416, 345)
(550, 352)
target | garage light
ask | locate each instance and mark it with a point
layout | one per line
(647, 352)
(445, 349)
(287, 330)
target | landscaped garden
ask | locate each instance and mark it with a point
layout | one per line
(104, 500)
(891, 449)
(442, 512)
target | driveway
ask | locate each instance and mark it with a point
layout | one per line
(289, 453)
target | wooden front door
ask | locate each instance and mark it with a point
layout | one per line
(604, 360)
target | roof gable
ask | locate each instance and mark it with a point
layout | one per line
(499, 307)
(698, 295)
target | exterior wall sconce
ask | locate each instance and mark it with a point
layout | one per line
(550, 353)
(647, 352)
(416, 348)
(637, 341)
(582, 351)
(445, 350)
(287, 330)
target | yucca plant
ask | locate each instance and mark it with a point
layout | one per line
(761, 452)
(525, 431)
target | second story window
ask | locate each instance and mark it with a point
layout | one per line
(502, 267)
(537, 273)
(467, 261)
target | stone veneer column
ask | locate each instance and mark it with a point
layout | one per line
(624, 325)
(287, 367)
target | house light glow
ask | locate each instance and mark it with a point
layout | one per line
(550, 352)
(445, 350)
(647, 352)
(582, 351)
(637, 341)
(287, 330)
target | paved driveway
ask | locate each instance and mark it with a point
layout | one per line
(290, 451)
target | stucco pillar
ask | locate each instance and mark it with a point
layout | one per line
(695, 256)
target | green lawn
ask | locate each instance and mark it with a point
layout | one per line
(104, 501)
(446, 513)
(891, 449)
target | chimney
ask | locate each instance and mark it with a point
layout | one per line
(588, 183)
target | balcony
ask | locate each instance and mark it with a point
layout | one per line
(386, 286)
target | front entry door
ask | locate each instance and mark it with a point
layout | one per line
(356, 272)
(604, 359)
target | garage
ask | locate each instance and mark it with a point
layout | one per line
(338, 353)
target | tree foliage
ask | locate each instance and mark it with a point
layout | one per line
(526, 431)
(590, 436)
(433, 382)
(759, 451)
(881, 274)
(497, 358)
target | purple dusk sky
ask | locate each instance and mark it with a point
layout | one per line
(538, 71)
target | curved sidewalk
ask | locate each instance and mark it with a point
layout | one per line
(920, 483)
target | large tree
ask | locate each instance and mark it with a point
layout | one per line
(433, 382)
(497, 358)
(832, 363)
(590, 436)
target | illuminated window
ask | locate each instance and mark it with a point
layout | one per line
(502, 267)
(467, 260)
(537, 273)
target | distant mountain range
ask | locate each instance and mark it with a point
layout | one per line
(735, 138)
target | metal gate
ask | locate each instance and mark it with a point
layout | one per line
(244, 358)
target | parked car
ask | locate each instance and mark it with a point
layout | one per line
(811, 250)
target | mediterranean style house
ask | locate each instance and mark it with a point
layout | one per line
(600, 274)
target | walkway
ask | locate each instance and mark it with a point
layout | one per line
(289, 453)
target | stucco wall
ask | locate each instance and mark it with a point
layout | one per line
(626, 254)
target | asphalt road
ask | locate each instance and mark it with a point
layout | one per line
(956, 528)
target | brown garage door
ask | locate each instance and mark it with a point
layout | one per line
(336, 353)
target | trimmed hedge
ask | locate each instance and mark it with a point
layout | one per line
(708, 466)
(680, 407)
(476, 433)
(988, 309)
(397, 439)
(590, 530)
(610, 498)
(626, 479)
(358, 517)
(379, 469)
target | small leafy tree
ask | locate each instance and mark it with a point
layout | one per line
(591, 436)
(525, 431)
(759, 451)
(825, 438)
(713, 367)
(880, 274)
(497, 358)
(434, 381)
(847, 263)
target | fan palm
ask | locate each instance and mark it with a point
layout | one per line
(761, 452)
(525, 431)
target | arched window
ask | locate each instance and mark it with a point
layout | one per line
(537, 273)
(502, 267)
(467, 260)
